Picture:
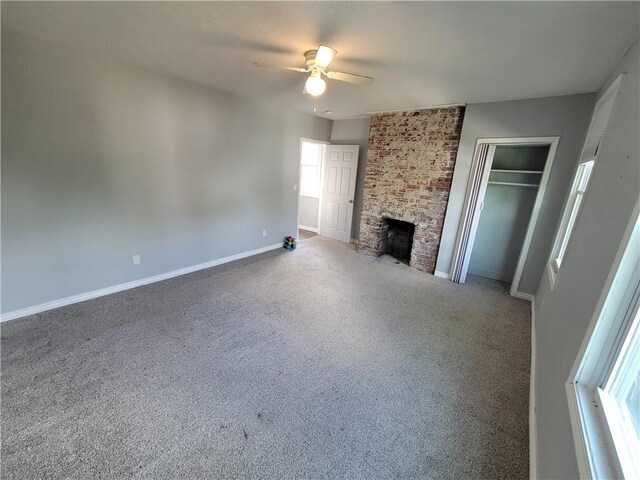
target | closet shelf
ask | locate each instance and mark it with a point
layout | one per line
(537, 172)
(534, 185)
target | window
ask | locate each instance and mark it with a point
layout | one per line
(604, 391)
(620, 398)
(588, 158)
(573, 207)
(310, 164)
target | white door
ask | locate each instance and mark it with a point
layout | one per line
(339, 184)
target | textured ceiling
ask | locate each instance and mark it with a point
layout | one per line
(420, 53)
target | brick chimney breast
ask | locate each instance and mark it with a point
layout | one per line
(408, 178)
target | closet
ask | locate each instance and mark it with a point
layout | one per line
(512, 187)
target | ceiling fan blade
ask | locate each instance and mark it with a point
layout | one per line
(324, 56)
(294, 69)
(350, 78)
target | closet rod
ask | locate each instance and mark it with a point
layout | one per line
(514, 184)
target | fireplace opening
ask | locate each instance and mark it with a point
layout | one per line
(399, 239)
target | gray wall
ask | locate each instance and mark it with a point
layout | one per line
(566, 117)
(308, 211)
(101, 161)
(354, 132)
(563, 315)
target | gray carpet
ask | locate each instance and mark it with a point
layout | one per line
(316, 363)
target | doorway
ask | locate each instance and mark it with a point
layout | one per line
(504, 196)
(312, 154)
(327, 181)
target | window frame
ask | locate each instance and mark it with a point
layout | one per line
(574, 205)
(582, 176)
(321, 151)
(602, 449)
(624, 439)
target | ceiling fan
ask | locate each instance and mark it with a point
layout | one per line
(316, 63)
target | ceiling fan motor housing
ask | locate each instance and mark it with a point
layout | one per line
(310, 57)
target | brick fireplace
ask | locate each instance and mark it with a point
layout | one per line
(407, 179)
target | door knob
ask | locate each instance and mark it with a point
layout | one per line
(350, 201)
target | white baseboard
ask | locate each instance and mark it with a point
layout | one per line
(311, 229)
(533, 430)
(525, 296)
(23, 312)
(441, 274)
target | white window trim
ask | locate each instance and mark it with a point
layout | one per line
(578, 192)
(592, 433)
(566, 227)
(323, 146)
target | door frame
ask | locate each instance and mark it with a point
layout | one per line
(324, 145)
(471, 215)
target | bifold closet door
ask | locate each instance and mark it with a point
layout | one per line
(474, 201)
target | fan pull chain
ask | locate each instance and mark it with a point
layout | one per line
(315, 104)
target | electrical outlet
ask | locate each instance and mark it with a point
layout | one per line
(264, 233)
(295, 187)
(136, 259)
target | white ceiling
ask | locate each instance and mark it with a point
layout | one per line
(420, 53)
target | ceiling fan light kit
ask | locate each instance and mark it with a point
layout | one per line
(315, 84)
(316, 62)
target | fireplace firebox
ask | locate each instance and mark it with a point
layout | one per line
(398, 240)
